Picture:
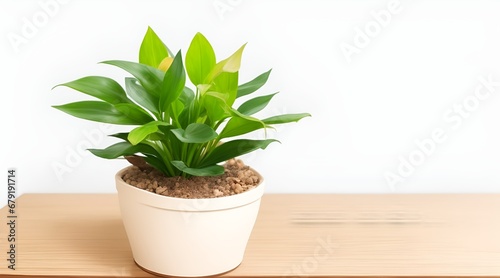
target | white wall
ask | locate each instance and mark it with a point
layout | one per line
(371, 97)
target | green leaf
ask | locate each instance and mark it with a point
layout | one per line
(140, 133)
(150, 78)
(97, 111)
(254, 85)
(230, 64)
(157, 163)
(173, 83)
(153, 50)
(103, 88)
(179, 110)
(175, 146)
(195, 133)
(123, 149)
(200, 59)
(132, 111)
(286, 118)
(240, 124)
(215, 105)
(121, 135)
(233, 62)
(176, 109)
(141, 96)
(184, 117)
(187, 96)
(234, 149)
(203, 88)
(255, 105)
(227, 84)
(214, 170)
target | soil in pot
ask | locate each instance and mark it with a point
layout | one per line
(237, 178)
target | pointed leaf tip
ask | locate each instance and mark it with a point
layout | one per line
(152, 50)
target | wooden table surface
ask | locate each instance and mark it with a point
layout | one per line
(69, 235)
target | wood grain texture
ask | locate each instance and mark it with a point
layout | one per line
(69, 235)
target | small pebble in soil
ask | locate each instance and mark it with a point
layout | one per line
(237, 178)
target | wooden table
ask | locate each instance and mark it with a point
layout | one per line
(70, 235)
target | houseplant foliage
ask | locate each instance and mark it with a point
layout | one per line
(178, 130)
(181, 132)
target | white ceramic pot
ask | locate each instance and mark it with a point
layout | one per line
(187, 237)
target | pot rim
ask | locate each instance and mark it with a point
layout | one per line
(188, 205)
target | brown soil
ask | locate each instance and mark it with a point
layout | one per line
(237, 178)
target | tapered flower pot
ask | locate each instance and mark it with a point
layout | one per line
(187, 237)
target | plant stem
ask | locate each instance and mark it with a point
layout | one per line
(165, 156)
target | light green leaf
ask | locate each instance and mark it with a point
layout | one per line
(97, 111)
(286, 118)
(234, 149)
(103, 88)
(255, 105)
(173, 83)
(230, 64)
(214, 170)
(200, 59)
(138, 134)
(141, 96)
(254, 85)
(227, 84)
(195, 133)
(233, 63)
(134, 112)
(215, 105)
(153, 50)
(150, 78)
(203, 88)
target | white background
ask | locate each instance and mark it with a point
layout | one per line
(369, 106)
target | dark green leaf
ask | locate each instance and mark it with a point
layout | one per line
(97, 111)
(255, 105)
(141, 96)
(103, 88)
(183, 116)
(173, 83)
(176, 109)
(153, 50)
(213, 170)
(157, 163)
(187, 96)
(174, 143)
(151, 78)
(121, 135)
(122, 149)
(254, 85)
(287, 118)
(240, 124)
(132, 111)
(234, 149)
(200, 59)
(195, 133)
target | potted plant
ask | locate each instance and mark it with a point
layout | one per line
(183, 212)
